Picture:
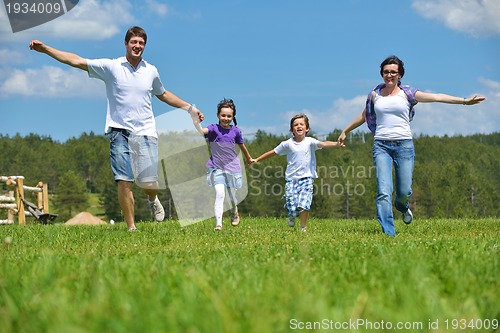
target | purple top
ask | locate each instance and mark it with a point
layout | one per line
(223, 146)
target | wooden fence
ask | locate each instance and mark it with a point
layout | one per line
(14, 201)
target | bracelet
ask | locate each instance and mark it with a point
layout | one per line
(191, 107)
(464, 101)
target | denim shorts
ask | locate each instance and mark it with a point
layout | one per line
(229, 179)
(133, 157)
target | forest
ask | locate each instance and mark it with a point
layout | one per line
(454, 177)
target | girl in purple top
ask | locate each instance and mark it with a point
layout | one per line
(224, 165)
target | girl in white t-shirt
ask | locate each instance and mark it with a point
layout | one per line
(301, 168)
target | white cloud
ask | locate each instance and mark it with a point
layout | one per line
(448, 119)
(90, 20)
(50, 82)
(342, 112)
(478, 18)
(445, 119)
(493, 86)
(157, 7)
(11, 57)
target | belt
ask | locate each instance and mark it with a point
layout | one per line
(121, 130)
(393, 142)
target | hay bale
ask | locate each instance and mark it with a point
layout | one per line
(85, 218)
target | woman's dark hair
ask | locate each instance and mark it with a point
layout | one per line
(298, 116)
(136, 31)
(228, 103)
(393, 60)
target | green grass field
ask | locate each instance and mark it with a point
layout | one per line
(262, 276)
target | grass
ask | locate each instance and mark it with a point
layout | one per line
(94, 206)
(261, 276)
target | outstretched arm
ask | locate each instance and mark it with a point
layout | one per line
(246, 153)
(264, 156)
(197, 125)
(173, 100)
(358, 121)
(330, 144)
(61, 56)
(424, 97)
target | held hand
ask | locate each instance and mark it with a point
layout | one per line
(195, 113)
(473, 100)
(341, 139)
(201, 117)
(195, 117)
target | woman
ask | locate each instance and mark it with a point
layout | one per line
(388, 112)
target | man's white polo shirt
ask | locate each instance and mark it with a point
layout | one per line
(129, 93)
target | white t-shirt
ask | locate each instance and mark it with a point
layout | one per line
(300, 157)
(129, 93)
(393, 117)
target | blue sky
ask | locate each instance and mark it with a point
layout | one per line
(273, 58)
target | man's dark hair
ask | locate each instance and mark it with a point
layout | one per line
(136, 31)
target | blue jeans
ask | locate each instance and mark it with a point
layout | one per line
(401, 155)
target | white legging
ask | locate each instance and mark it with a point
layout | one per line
(220, 194)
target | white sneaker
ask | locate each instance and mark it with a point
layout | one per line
(407, 216)
(303, 229)
(291, 221)
(157, 209)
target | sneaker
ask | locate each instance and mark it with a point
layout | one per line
(303, 229)
(235, 219)
(291, 221)
(218, 228)
(157, 209)
(407, 216)
(133, 229)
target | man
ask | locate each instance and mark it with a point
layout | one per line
(131, 83)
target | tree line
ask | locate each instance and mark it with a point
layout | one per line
(454, 176)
